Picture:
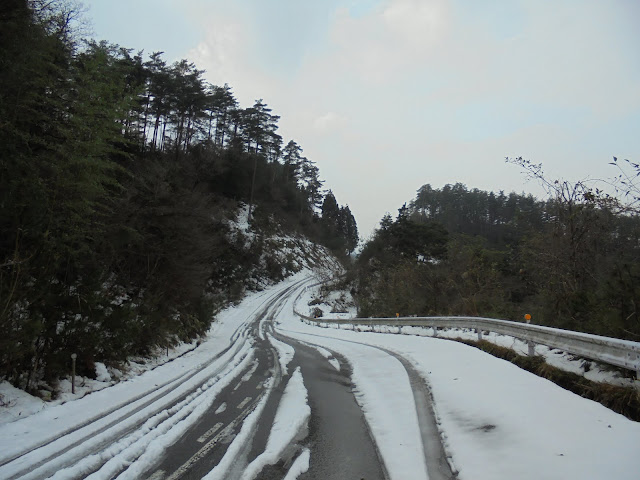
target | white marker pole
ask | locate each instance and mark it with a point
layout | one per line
(73, 372)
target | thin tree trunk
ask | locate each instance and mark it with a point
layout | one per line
(144, 125)
(164, 128)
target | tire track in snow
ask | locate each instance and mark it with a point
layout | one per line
(149, 398)
(197, 464)
(439, 463)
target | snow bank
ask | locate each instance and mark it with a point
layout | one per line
(589, 369)
(102, 374)
(290, 422)
(16, 404)
(285, 352)
(299, 466)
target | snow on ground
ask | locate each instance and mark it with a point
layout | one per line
(285, 352)
(388, 405)
(161, 427)
(165, 381)
(289, 424)
(589, 369)
(326, 354)
(334, 304)
(299, 466)
(397, 435)
(16, 404)
(240, 228)
(229, 462)
(293, 253)
(141, 450)
(498, 421)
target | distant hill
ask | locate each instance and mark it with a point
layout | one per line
(571, 261)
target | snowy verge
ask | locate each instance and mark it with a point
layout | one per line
(285, 352)
(299, 466)
(589, 369)
(17, 404)
(289, 425)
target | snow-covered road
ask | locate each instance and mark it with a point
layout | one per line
(245, 404)
(496, 420)
(123, 430)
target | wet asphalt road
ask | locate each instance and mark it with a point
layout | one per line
(338, 437)
(204, 445)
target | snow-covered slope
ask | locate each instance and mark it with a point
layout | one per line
(281, 255)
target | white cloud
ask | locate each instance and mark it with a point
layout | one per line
(390, 41)
(418, 23)
(422, 91)
(223, 45)
(330, 121)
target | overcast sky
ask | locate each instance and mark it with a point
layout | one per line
(386, 96)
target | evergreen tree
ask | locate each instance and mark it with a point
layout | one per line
(292, 159)
(349, 229)
(108, 245)
(222, 104)
(330, 211)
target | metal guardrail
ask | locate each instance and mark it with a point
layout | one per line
(613, 351)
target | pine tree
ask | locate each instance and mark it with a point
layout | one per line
(349, 229)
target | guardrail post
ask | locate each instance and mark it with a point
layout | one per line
(479, 332)
(532, 348)
(435, 331)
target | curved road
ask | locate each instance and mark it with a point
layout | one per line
(246, 378)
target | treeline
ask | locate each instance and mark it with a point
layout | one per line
(118, 178)
(571, 261)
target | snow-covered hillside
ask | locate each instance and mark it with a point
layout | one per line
(281, 255)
